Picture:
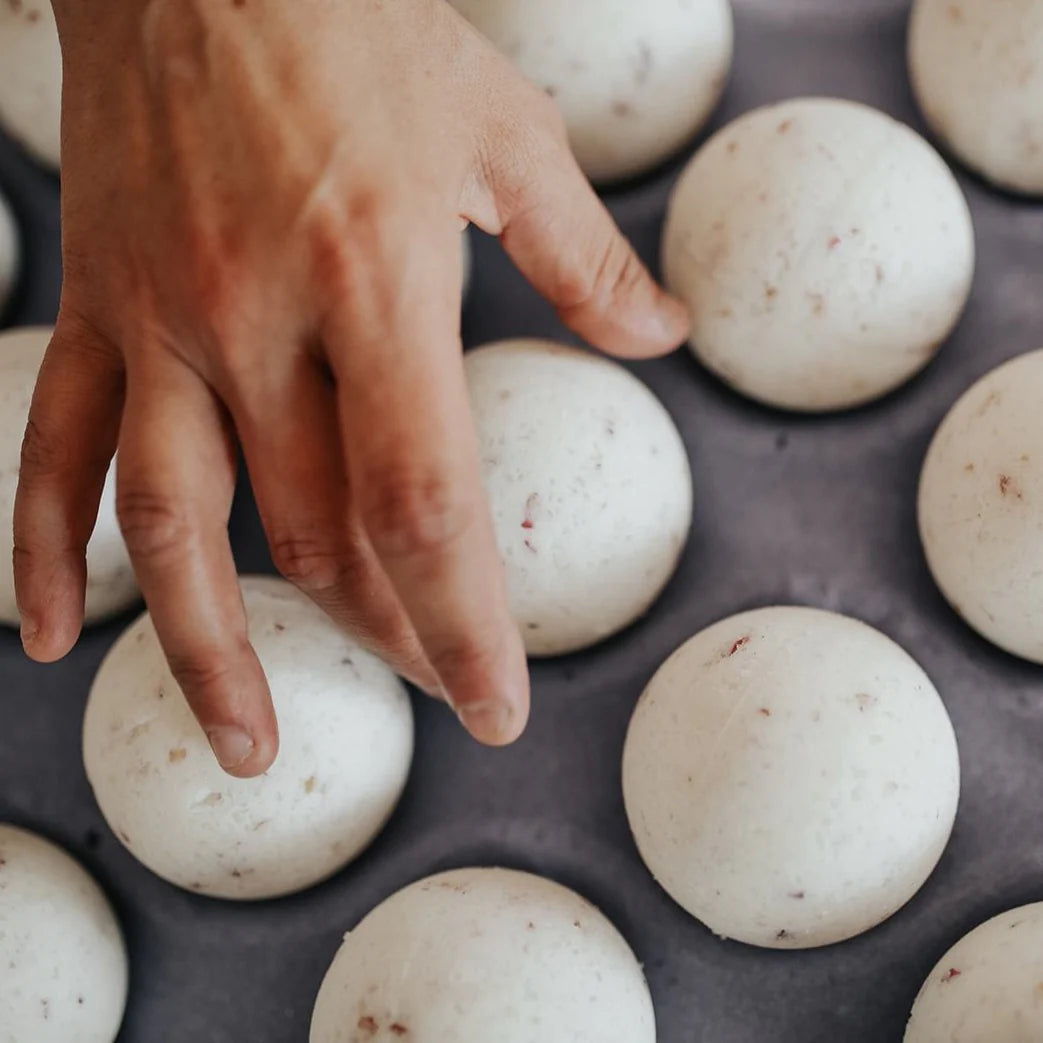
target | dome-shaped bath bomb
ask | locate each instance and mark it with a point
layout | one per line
(476, 955)
(634, 81)
(981, 506)
(10, 253)
(978, 75)
(346, 729)
(986, 988)
(31, 78)
(791, 777)
(63, 968)
(825, 250)
(589, 485)
(111, 587)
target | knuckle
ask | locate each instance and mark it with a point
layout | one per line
(213, 284)
(511, 160)
(23, 557)
(367, 207)
(45, 451)
(353, 248)
(334, 263)
(409, 514)
(612, 275)
(199, 670)
(219, 305)
(152, 524)
(625, 275)
(522, 151)
(79, 334)
(466, 659)
(311, 564)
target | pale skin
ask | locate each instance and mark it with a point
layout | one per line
(262, 207)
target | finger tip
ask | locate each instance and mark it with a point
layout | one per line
(677, 319)
(263, 759)
(493, 729)
(48, 644)
(513, 730)
(497, 723)
(241, 751)
(665, 328)
(645, 333)
(252, 768)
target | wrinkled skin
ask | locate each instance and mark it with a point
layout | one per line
(262, 207)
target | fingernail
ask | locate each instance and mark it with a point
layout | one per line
(30, 630)
(231, 745)
(673, 319)
(486, 721)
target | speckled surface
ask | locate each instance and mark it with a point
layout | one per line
(652, 70)
(478, 942)
(979, 506)
(987, 986)
(818, 511)
(977, 73)
(791, 777)
(588, 484)
(825, 250)
(64, 974)
(345, 746)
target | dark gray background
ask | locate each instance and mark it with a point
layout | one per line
(816, 511)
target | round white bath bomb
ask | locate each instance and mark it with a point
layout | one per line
(791, 777)
(981, 506)
(31, 78)
(346, 728)
(10, 253)
(476, 955)
(988, 988)
(977, 70)
(63, 968)
(589, 486)
(111, 587)
(634, 81)
(825, 250)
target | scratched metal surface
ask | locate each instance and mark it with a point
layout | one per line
(817, 511)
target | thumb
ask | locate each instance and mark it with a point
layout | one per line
(565, 242)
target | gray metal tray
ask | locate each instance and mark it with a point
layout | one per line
(788, 509)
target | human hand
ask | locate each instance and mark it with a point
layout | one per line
(262, 206)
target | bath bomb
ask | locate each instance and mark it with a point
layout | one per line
(589, 486)
(346, 728)
(634, 81)
(981, 506)
(31, 78)
(63, 968)
(987, 987)
(825, 250)
(978, 76)
(10, 253)
(111, 587)
(791, 777)
(475, 955)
